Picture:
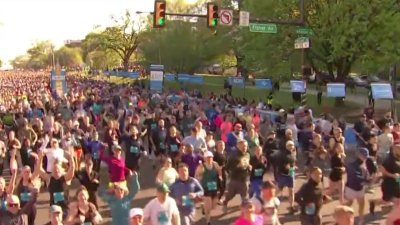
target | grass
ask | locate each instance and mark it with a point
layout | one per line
(282, 98)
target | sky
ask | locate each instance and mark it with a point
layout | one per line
(23, 22)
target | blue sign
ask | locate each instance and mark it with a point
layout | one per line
(263, 83)
(193, 79)
(381, 91)
(156, 77)
(298, 86)
(169, 77)
(237, 82)
(133, 75)
(58, 82)
(336, 90)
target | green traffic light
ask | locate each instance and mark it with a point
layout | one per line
(214, 22)
(161, 21)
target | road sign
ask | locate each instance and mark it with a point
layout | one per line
(263, 28)
(302, 43)
(244, 19)
(226, 17)
(304, 30)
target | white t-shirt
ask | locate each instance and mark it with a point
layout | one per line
(269, 210)
(53, 155)
(160, 214)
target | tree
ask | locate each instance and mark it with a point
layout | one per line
(20, 62)
(40, 55)
(182, 46)
(344, 32)
(122, 38)
(69, 57)
(1, 63)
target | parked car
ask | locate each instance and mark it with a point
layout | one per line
(356, 81)
(370, 78)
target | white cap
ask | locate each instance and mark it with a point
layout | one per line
(135, 212)
(208, 154)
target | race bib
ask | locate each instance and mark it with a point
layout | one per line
(134, 149)
(162, 146)
(186, 201)
(153, 126)
(25, 196)
(162, 217)
(292, 173)
(58, 197)
(310, 209)
(96, 155)
(29, 151)
(258, 172)
(3, 205)
(174, 148)
(212, 186)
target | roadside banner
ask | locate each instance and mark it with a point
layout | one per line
(336, 90)
(58, 81)
(382, 91)
(191, 79)
(237, 82)
(298, 86)
(156, 77)
(169, 77)
(263, 84)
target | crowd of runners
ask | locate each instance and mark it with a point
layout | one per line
(206, 149)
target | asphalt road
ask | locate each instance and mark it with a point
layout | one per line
(147, 192)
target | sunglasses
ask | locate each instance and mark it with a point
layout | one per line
(12, 205)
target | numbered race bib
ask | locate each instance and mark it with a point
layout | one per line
(25, 196)
(153, 126)
(398, 180)
(310, 209)
(29, 151)
(258, 172)
(134, 149)
(186, 201)
(292, 172)
(58, 197)
(162, 146)
(212, 186)
(174, 148)
(96, 155)
(162, 217)
(3, 205)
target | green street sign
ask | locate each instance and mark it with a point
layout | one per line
(270, 28)
(303, 30)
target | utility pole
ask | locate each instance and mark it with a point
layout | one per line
(394, 90)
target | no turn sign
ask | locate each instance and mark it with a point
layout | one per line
(226, 17)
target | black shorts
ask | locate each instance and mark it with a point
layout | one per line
(160, 151)
(212, 194)
(390, 190)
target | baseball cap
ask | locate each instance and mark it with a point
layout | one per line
(162, 188)
(135, 212)
(116, 147)
(363, 152)
(55, 209)
(208, 154)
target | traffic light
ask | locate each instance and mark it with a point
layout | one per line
(212, 15)
(159, 14)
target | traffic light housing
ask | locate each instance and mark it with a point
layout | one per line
(159, 14)
(212, 15)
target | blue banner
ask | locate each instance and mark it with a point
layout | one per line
(169, 77)
(58, 81)
(298, 86)
(156, 77)
(263, 83)
(381, 91)
(336, 90)
(237, 82)
(192, 79)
